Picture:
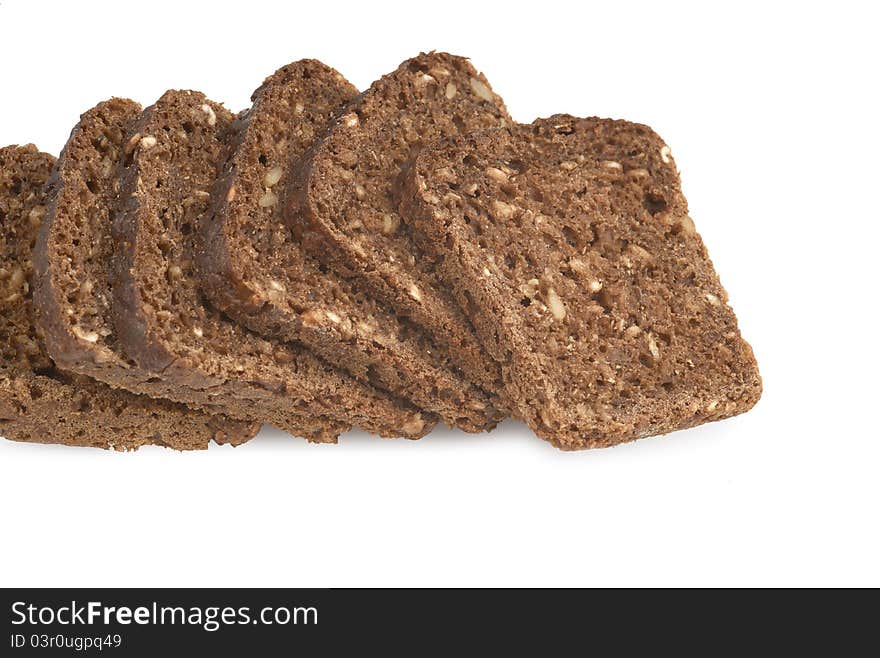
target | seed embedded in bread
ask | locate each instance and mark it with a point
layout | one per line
(268, 199)
(209, 111)
(273, 176)
(481, 89)
(555, 304)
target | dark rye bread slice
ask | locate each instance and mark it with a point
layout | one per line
(164, 323)
(39, 402)
(253, 268)
(71, 258)
(343, 205)
(570, 243)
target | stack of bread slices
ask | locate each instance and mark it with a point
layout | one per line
(327, 259)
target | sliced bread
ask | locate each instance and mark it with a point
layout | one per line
(73, 293)
(253, 268)
(163, 322)
(39, 402)
(570, 244)
(343, 204)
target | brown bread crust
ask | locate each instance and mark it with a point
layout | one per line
(163, 322)
(39, 402)
(570, 243)
(343, 201)
(253, 268)
(73, 295)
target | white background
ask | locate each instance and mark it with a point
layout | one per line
(771, 112)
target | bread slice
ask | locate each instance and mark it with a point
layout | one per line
(254, 269)
(163, 322)
(39, 402)
(343, 205)
(72, 285)
(570, 243)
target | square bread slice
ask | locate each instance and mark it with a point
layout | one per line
(343, 204)
(570, 244)
(73, 296)
(253, 268)
(39, 402)
(163, 322)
